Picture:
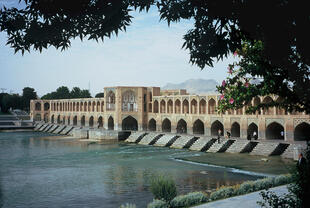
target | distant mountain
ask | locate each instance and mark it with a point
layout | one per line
(194, 86)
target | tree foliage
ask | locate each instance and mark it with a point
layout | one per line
(221, 27)
(63, 92)
(99, 95)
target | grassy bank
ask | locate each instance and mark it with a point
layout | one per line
(274, 165)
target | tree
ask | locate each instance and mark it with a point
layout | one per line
(99, 95)
(85, 94)
(28, 94)
(63, 92)
(221, 27)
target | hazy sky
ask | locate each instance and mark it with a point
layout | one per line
(148, 54)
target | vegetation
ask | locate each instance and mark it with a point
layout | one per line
(163, 188)
(63, 92)
(99, 95)
(15, 101)
(274, 49)
(158, 204)
(299, 190)
(188, 200)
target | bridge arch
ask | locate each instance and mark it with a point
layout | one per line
(100, 122)
(52, 119)
(75, 121)
(215, 126)
(235, 129)
(68, 120)
(58, 119)
(182, 126)
(91, 121)
(152, 125)
(302, 132)
(130, 123)
(198, 127)
(251, 129)
(273, 131)
(110, 123)
(166, 125)
(63, 120)
(83, 121)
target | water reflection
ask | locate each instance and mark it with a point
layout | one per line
(53, 173)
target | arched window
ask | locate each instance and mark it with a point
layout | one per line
(269, 110)
(177, 106)
(185, 106)
(162, 106)
(130, 123)
(235, 130)
(202, 106)
(155, 106)
(152, 125)
(110, 123)
(275, 131)
(38, 106)
(91, 121)
(170, 106)
(211, 106)
(193, 106)
(46, 106)
(111, 101)
(217, 125)
(129, 103)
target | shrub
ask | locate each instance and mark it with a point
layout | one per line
(283, 179)
(128, 206)
(187, 200)
(157, 204)
(223, 193)
(264, 183)
(246, 187)
(163, 188)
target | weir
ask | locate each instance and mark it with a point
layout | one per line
(150, 138)
(165, 140)
(182, 141)
(202, 144)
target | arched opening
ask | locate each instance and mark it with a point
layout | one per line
(68, 120)
(129, 101)
(110, 123)
(58, 119)
(211, 106)
(155, 106)
(91, 121)
(275, 131)
(166, 125)
(152, 125)
(98, 106)
(170, 106)
(269, 110)
(81, 106)
(93, 106)
(111, 102)
(150, 107)
(182, 127)
(85, 106)
(46, 106)
(75, 120)
(202, 106)
(77, 108)
(46, 117)
(198, 127)
(130, 123)
(162, 106)
(235, 130)
(256, 103)
(38, 106)
(215, 127)
(251, 129)
(302, 132)
(52, 119)
(37, 117)
(279, 110)
(63, 120)
(100, 122)
(185, 106)
(193, 106)
(83, 121)
(102, 106)
(177, 105)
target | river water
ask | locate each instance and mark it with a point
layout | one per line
(36, 172)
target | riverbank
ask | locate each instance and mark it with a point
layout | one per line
(272, 165)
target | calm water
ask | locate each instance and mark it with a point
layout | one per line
(36, 172)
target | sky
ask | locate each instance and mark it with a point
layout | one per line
(149, 53)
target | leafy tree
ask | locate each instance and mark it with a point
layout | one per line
(99, 95)
(221, 27)
(75, 92)
(85, 94)
(28, 94)
(63, 92)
